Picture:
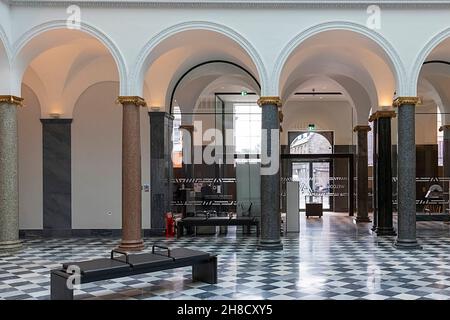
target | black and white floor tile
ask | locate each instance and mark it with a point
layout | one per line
(332, 258)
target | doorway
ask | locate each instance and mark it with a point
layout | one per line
(314, 182)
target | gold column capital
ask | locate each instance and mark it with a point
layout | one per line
(362, 128)
(382, 114)
(12, 100)
(270, 101)
(400, 101)
(136, 100)
(444, 127)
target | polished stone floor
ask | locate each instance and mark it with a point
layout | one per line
(332, 258)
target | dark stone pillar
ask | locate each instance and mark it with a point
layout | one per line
(385, 225)
(57, 176)
(188, 150)
(161, 170)
(131, 174)
(406, 238)
(374, 119)
(446, 160)
(9, 192)
(362, 174)
(270, 175)
(446, 149)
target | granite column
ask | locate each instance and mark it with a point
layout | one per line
(270, 174)
(9, 192)
(406, 163)
(131, 174)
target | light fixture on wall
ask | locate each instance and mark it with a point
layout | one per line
(55, 115)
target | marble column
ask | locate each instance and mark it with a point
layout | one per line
(270, 181)
(374, 119)
(385, 224)
(161, 170)
(131, 174)
(9, 192)
(406, 164)
(362, 174)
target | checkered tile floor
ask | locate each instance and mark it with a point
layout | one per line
(331, 259)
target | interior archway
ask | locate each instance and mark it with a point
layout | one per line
(172, 57)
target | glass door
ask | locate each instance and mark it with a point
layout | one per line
(314, 180)
(321, 182)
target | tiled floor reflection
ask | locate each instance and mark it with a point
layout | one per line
(333, 258)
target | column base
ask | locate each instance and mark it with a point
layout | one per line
(7, 246)
(362, 220)
(407, 245)
(127, 245)
(385, 232)
(273, 245)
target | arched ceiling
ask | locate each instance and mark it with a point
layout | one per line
(177, 54)
(59, 65)
(340, 53)
(434, 80)
(209, 77)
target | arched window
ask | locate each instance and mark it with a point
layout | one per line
(310, 143)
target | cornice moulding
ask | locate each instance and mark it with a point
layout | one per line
(228, 3)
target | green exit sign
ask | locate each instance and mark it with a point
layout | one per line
(311, 127)
(244, 93)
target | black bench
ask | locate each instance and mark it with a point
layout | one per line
(204, 268)
(215, 221)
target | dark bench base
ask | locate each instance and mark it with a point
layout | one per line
(215, 221)
(204, 269)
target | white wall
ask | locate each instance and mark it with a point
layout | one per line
(30, 162)
(327, 116)
(426, 124)
(96, 159)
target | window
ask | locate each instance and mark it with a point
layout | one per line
(370, 145)
(177, 139)
(247, 128)
(440, 139)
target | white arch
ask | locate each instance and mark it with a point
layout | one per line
(421, 57)
(140, 67)
(84, 27)
(5, 63)
(5, 41)
(388, 48)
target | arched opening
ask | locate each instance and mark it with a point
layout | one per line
(74, 77)
(213, 85)
(313, 176)
(330, 81)
(432, 120)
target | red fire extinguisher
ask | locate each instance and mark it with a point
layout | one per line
(170, 225)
